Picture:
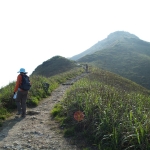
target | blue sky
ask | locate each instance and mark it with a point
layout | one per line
(33, 31)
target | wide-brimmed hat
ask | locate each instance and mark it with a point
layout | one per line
(22, 70)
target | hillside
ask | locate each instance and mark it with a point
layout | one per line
(105, 111)
(54, 66)
(124, 54)
(107, 42)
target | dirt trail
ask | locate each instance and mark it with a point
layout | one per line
(37, 131)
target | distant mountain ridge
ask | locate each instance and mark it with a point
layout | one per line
(122, 53)
(109, 41)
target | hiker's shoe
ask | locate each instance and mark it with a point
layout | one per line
(23, 116)
(18, 113)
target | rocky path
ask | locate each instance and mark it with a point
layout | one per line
(37, 131)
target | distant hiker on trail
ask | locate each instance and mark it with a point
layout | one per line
(86, 68)
(21, 90)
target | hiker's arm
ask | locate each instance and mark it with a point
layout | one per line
(18, 82)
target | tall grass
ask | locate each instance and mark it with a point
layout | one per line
(117, 115)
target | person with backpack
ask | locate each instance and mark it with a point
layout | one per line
(21, 89)
(86, 68)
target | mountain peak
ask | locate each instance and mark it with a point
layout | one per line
(121, 34)
(111, 39)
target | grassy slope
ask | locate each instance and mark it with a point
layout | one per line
(116, 112)
(129, 58)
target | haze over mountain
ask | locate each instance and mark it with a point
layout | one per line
(122, 53)
(109, 41)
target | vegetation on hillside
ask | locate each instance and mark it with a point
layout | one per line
(127, 56)
(53, 66)
(116, 112)
(36, 93)
(107, 42)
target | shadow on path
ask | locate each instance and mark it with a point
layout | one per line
(7, 125)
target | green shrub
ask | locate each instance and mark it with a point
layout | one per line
(2, 117)
(69, 132)
(56, 111)
(34, 101)
(3, 111)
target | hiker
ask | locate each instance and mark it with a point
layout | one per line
(86, 68)
(21, 88)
